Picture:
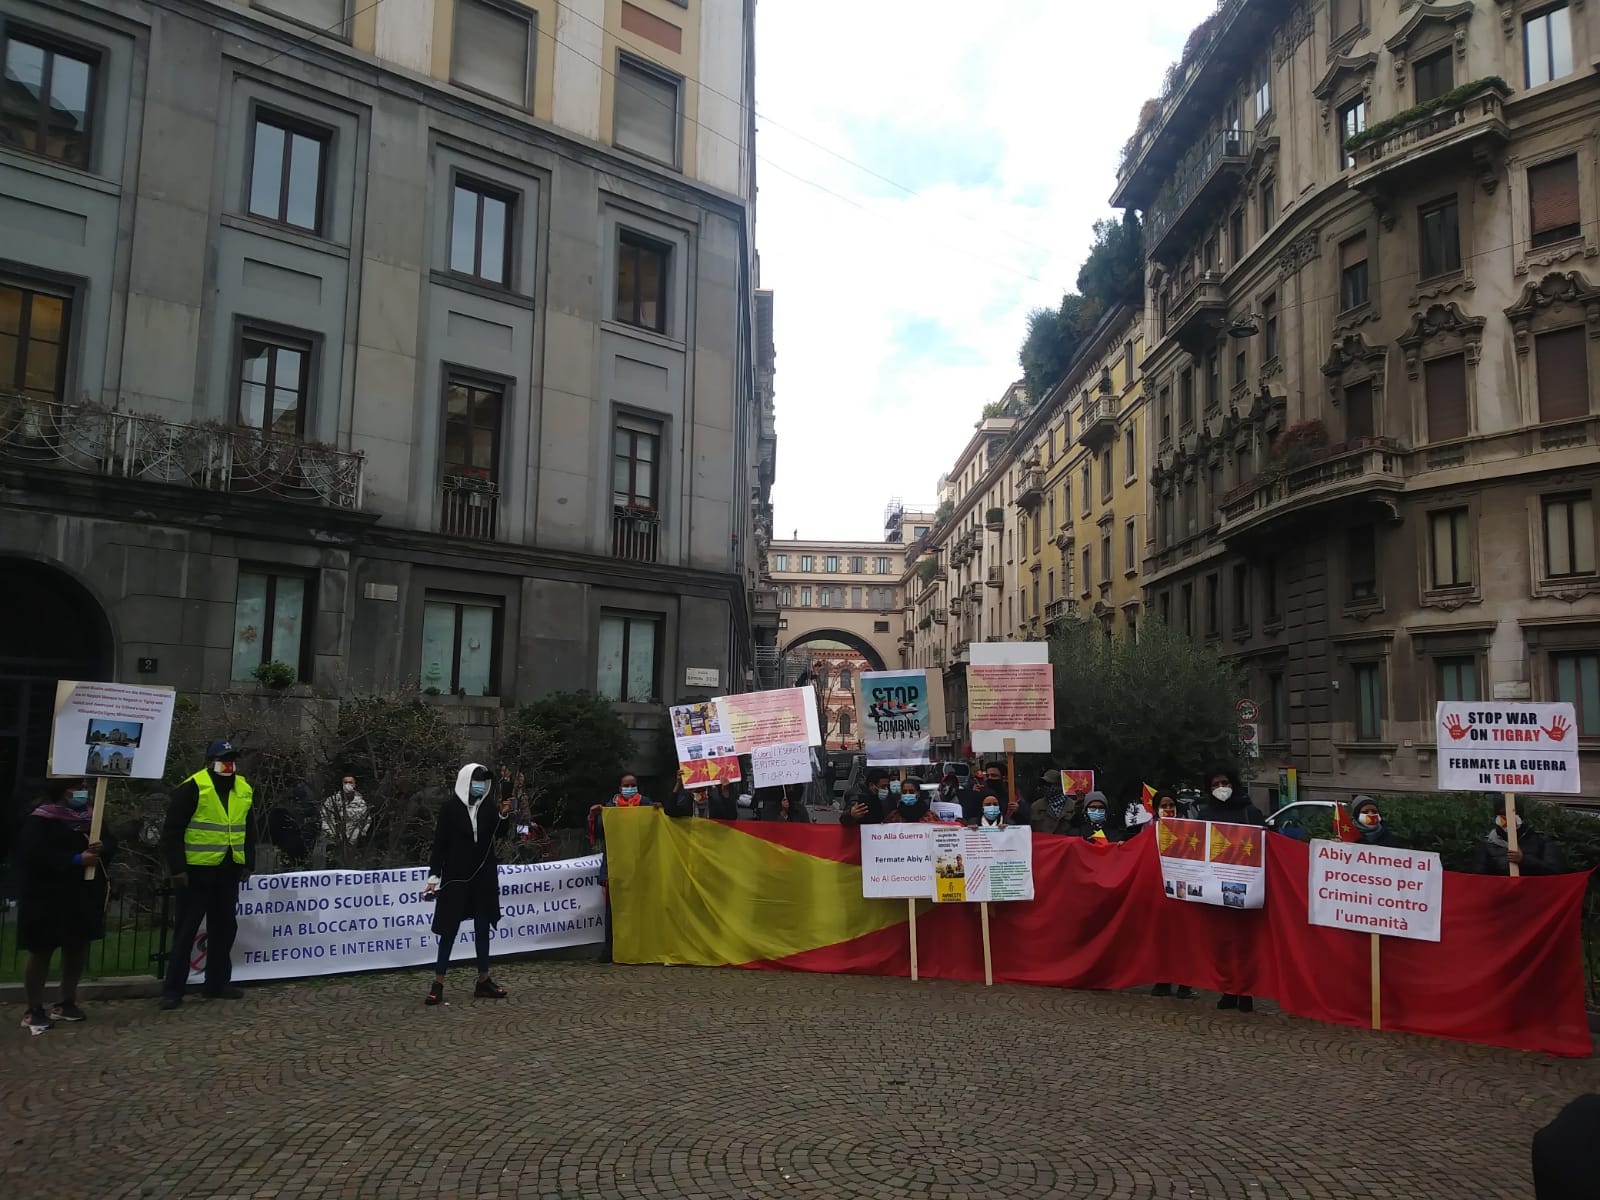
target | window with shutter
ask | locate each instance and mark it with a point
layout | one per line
(1562, 361)
(1358, 410)
(490, 52)
(1353, 273)
(1553, 201)
(1445, 384)
(647, 111)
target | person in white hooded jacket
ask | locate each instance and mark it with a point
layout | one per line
(463, 873)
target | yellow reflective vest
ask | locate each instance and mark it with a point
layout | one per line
(215, 832)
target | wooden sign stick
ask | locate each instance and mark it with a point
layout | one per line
(1511, 832)
(1377, 1000)
(911, 914)
(96, 820)
(988, 961)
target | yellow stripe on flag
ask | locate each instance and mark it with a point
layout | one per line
(699, 893)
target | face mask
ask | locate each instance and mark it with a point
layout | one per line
(1169, 813)
(78, 799)
(1501, 821)
(348, 788)
(883, 793)
(1222, 794)
(630, 791)
(991, 812)
(895, 788)
(994, 785)
(478, 787)
(1097, 816)
(1370, 819)
(222, 767)
(909, 799)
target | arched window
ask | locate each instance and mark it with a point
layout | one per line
(844, 677)
(844, 723)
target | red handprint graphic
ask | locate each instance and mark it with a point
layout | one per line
(1558, 730)
(1454, 727)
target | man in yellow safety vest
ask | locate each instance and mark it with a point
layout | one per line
(209, 847)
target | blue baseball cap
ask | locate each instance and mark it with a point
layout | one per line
(222, 748)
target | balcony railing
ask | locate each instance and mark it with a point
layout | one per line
(1476, 117)
(1224, 152)
(635, 534)
(994, 578)
(468, 507)
(1030, 487)
(1097, 421)
(210, 456)
(1058, 611)
(1373, 464)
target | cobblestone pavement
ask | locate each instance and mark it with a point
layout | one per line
(614, 1082)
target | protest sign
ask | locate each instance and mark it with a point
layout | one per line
(1372, 889)
(110, 730)
(334, 922)
(897, 861)
(773, 766)
(977, 866)
(1212, 862)
(780, 717)
(708, 772)
(1506, 747)
(898, 728)
(1077, 783)
(1010, 697)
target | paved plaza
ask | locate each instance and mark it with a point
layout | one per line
(615, 1082)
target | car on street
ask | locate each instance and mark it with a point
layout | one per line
(1303, 820)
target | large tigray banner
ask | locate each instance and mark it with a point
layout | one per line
(332, 922)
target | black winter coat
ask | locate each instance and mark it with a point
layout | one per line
(1235, 812)
(56, 905)
(1540, 856)
(466, 866)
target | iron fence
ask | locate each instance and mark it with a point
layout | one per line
(138, 925)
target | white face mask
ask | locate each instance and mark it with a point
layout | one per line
(1222, 794)
(349, 787)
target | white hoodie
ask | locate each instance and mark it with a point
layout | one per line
(464, 794)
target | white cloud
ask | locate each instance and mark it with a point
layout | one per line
(899, 316)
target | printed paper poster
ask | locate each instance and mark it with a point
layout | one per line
(708, 772)
(1373, 889)
(1010, 695)
(773, 766)
(898, 728)
(785, 716)
(1486, 746)
(977, 866)
(110, 730)
(897, 861)
(1213, 862)
(949, 866)
(697, 732)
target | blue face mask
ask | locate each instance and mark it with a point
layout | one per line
(909, 799)
(883, 793)
(478, 788)
(1097, 816)
(630, 791)
(895, 788)
(991, 812)
(78, 799)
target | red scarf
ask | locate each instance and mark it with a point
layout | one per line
(622, 801)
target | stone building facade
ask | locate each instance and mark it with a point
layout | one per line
(1374, 308)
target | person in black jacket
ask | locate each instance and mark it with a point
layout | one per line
(866, 807)
(1227, 801)
(1566, 1153)
(1369, 824)
(681, 801)
(1535, 853)
(722, 801)
(57, 908)
(464, 873)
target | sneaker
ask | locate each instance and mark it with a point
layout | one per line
(1228, 1001)
(36, 1022)
(1247, 1004)
(488, 989)
(435, 993)
(68, 1012)
(226, 992)
(1161, 989)
(170, 1002)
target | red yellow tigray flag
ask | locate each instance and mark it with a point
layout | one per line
(1236, 845)
(1343, 827)
(1147, 797)
(1177, 838)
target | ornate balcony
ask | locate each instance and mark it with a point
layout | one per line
(1030, 488)
(938, 616)
(1471, 124)
(1209, 171)
(208, 456)
(1058, 612)
(1342, 472)
(1097, 422)
(994, 577)
(1197, 316)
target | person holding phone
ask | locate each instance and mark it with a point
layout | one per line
(464, 873)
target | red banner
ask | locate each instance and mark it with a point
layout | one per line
(1507, 971)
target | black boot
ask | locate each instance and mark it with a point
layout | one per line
(1228, 1001)
(1161, 989)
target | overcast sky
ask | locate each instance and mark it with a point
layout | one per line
(898, 315)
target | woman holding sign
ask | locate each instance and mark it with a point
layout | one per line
(56, 906)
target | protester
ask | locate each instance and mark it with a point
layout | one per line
(1566, 1153)
(994, 778)
(990, 816)
(57, 908)
(1369, 824)
(866, 807)
(1535, 853)
(1054, 813)
(464, 874)
(345, 821)
(1092, 822)
(722, 802)
(1167, 810)
(1227, 802)
(627, 796)
(209, 845)
(908, 805)
(951, 792)
(681, 802)
(783, 802)
(295, 829)
(1188, 802)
